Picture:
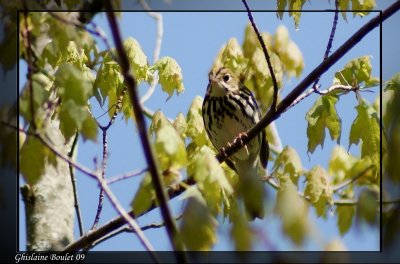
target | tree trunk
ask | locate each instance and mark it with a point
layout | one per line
(49, 204)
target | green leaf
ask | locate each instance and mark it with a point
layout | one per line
(344, 6)
(210, 178)
(41, 86)
(137, 59)
(195, 125)
(159, 121)
(144, 196)
(169, 74)
(366, 5)
(73, 85)
(322, 115)
(198, 226)
(296, 5)
(356, 72)
(367, 129)
(345, 216)
(368, 206)
(293, 211)
(250, 42)
(281, 5)
(288, 52)
(170, 149)
(318, 185)
(340, 163)
(180, 125)
(241, 231)
(89, 129)
(72, 117)
(231, 56)
(394, 83)
(391, 123)
(109, 79)
(288, 163)
(32, 159)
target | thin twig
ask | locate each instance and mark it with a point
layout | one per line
(330, 41)
(127, 218)
(302, 86)
(125, 176)
(45, 142)
(141, 124)
(119, 221)
(344, 88)
(128, 229)
(73, 181)
(103, 173)
(267, 58)
(157, 49)
(349, 181)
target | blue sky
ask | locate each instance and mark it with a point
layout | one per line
(193, 40)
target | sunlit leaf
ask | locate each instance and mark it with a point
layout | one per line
(137, 59)
(345, 216)
(170, 75)
(368, 206)
(367, 129)
(322, 115)
(32, 159)
(144, 196)
(293, 212)
(170, 148)
(195, 125)
(357, 72)
(288, 163)
(231, 56)
(241, 231)
(180, 125)
(340, 163)
(318, 185)
(210, 178)
(198, 226)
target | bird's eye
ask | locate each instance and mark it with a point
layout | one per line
(226, 78)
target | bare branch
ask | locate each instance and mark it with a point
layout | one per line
(330, 41)
(345, 88)
(349, 181)
(126, 176)
(267, 58)
(141, 124)
(73, 181)
(157, 49)
(103, 172)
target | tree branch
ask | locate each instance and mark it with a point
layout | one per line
(296, 92)
(330, 41)
(344, 88)
(141, 124)
(118, 221)
(267, 58)
(156, 54)
(73, 181)
(126, 176)
(349, 181)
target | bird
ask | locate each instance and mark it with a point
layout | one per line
(229, 110)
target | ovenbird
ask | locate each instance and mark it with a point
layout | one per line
(229, 110)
